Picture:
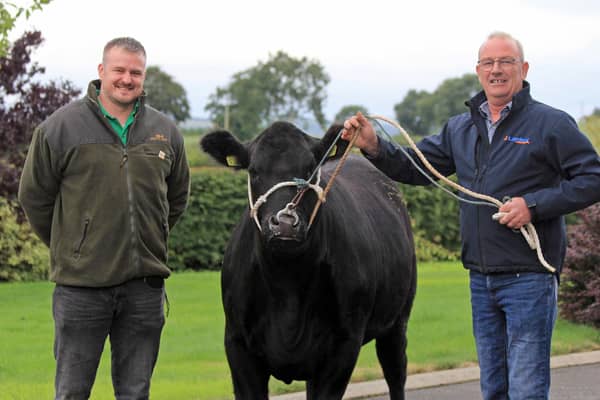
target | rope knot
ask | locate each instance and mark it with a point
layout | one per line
(301, 183)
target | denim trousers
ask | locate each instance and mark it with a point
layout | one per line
(130, 314)
(513, 318)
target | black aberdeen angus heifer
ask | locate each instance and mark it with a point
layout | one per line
(301, 300)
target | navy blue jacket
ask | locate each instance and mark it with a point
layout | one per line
(537, 153)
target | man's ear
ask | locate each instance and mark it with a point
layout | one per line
(226, 149)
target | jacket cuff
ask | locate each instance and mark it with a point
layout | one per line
(378, 156)
(531, 204)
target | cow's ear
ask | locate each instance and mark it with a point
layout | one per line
(330, 137)
(226, 149)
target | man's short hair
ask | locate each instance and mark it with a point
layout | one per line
(127, 43)
(504, 35)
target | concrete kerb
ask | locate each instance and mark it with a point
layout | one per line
(441, 378)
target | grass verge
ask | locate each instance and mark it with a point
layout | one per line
(192, 363)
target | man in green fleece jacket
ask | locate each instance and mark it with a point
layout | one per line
(106, 178)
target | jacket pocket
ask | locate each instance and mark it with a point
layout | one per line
(79, 244)
(165, 226)
(158, 154)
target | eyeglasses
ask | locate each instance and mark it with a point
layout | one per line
(487, 64)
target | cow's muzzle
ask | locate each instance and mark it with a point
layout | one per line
(285, 225)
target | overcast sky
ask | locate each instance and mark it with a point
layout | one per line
(373, 50)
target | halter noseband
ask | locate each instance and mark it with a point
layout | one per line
(302, 186)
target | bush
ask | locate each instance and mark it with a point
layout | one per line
(428, 251)
(580, 287)
(23, 257)
(219, 198)
(434, 215)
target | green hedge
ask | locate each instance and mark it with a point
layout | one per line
(219, 197)
(434, 215)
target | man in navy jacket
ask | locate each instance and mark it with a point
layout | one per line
(507, 146)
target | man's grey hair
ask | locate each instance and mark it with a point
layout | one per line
(507, 36)
(127, 43)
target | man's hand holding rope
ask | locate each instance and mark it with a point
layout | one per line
(367, 139)
(514, 213)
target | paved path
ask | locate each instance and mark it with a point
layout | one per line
(581, 382)
(574, 377)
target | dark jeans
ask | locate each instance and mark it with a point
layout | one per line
(513, 319)
(132, 316)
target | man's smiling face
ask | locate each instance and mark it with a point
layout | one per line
(122, 73)
(505, 78)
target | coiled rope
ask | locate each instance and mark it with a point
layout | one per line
(528, 231)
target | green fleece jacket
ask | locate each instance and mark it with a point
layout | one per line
(105, 209)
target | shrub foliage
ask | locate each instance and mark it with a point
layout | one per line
(219, 199)
(580, 287)
(23, 256)
(217, 202)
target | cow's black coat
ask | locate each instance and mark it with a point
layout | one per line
(299, 305)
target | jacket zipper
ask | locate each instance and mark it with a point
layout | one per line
(482, 160)
(135, 257)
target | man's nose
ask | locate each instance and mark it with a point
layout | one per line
(496, 66)
(126, 77)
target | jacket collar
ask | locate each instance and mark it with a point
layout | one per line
(519, 100)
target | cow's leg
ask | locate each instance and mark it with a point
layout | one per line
(391, 351)
(334, 374)
(248, 373)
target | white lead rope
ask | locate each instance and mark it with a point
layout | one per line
(528, 231)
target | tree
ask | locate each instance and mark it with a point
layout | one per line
(348, 111)
(424, 113)
(411, 114)
(166, 95)
(24, 103)
(283, 87)
(9, 13)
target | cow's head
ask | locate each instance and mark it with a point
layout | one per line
(278, 160)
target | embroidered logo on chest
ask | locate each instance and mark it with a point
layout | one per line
(158, 137)
(517, 140)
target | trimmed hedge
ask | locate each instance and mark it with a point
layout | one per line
(434, 215)
(219, 197)
(218, 200)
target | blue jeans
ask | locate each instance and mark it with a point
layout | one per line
(513, 318)
(131, 314)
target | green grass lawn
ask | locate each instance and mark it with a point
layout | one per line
(192, 362)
